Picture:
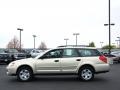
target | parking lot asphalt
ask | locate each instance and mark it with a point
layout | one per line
(107, 81)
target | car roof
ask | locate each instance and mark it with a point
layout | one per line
(76, 47)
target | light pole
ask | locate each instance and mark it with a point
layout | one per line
(20, 36)
(66, 39)
(119, 41)
(101, 44)
(113, 43)
(34, 36)
(76, 34)
(109, 24)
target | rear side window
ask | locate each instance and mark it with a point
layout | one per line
(88, 52)
(70, 53)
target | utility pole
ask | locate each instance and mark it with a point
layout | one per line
(109, 24)
(119, 41)
(66, 39)
(34, 36)
(76, 34)
(101, 44)
(20, 36)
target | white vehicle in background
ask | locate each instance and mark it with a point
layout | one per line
(117, 56)
(35, 52)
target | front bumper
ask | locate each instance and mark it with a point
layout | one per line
(10, 71)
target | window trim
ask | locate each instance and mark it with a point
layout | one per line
(43, 56)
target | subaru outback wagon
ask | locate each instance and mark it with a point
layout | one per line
(81, 61)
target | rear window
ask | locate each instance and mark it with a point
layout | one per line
(88, 52)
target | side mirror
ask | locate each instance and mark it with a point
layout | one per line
(42, 57)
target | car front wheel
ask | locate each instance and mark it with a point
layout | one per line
(86, 73)
(24, 74)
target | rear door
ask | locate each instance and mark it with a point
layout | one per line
(70, 60)
(90, 56)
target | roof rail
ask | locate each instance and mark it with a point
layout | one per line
(73, 46)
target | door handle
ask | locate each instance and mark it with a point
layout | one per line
(78, 59)
(56, 61)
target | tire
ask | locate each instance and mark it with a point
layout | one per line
(86, 73)
(118, 61)
(24, 74)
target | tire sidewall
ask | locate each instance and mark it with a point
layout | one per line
(83, 68)
(24, 68)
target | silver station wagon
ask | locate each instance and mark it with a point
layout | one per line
(81, 61)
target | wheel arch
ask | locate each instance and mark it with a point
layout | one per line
(25, 65)
(86, 65)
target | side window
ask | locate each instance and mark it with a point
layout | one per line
(53, 54)
(88, 52)
(70, 53)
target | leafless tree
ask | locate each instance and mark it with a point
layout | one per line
(42, 46)
(14, 43)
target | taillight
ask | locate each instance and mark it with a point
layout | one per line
(103, 58)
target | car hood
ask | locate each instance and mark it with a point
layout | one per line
(25, 61)
(3, 53)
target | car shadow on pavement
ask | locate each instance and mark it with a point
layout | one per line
(54, 79)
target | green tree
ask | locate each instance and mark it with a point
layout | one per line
(92, 44)
(107, 47)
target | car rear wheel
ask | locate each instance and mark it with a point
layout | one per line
(86, 73)
(24, 74)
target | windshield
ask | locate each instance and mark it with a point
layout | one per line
(41, 54)
(13, 51)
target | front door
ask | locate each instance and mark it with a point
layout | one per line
(49, 62)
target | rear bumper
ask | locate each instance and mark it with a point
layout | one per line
(101, 72)
(102, 68)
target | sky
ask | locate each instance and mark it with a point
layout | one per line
(53, 20)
